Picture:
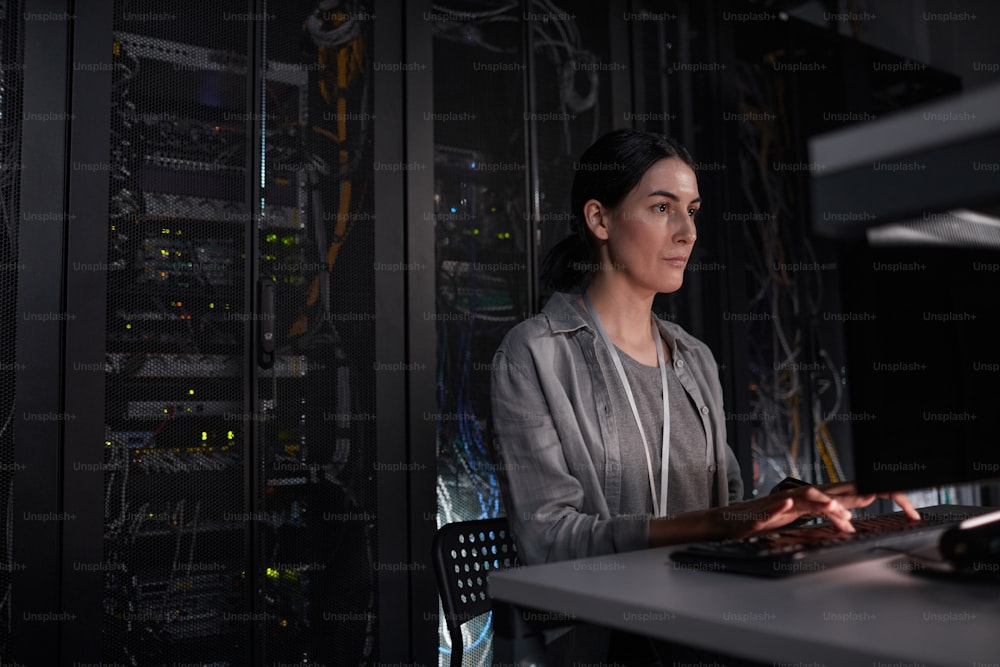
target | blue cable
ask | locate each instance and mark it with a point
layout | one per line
(479, 640)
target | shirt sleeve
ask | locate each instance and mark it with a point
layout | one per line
(733, 475)
(545, 501)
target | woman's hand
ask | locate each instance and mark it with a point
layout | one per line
(833, 501)
(848, 493)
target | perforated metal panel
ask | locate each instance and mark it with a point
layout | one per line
(481, 255)
(501, 192)
(177, 519)
(466, 552)
(11, 74)
(316, 240)
(240, 524)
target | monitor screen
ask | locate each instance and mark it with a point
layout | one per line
(914, 197)
(922, 335)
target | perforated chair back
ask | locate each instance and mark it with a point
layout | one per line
(464, 553)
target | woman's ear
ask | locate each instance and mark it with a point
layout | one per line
(595, 215)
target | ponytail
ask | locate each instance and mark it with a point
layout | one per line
(567, 264)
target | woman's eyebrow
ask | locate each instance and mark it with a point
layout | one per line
(671, 195)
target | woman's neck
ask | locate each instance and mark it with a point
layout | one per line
(624, 313)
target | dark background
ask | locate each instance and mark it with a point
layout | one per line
(178, 488)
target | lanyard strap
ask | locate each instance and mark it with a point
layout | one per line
(659, 502)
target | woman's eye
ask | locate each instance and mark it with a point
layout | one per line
(692, 212)
(661, 208)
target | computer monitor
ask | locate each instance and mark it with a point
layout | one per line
(923, 364)
(913, 198)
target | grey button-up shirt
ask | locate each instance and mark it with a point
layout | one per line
(556, 444)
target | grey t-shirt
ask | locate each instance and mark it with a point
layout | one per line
(689, 484)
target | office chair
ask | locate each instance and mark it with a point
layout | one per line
(464, 553)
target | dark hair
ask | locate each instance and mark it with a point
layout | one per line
(607, 172)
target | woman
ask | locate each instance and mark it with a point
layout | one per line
(609, 429)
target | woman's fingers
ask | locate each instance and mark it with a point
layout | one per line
(814, 501)
(848, 495)
(903, 501)
(832, 501)
(781, 509)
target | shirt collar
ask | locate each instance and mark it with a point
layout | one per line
(564, 316)
(562, 313)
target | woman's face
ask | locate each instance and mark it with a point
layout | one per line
(650, 234)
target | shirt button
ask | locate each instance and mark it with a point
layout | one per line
(679, 363)
(711, 467)
(704, 409)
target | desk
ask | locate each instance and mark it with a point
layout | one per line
(873, 613)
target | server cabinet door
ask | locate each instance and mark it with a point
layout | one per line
(519, 91)
(315, 478)
(178, 419)
(33, 129)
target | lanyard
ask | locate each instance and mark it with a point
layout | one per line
(659, 502)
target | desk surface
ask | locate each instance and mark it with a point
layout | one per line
(876, 613)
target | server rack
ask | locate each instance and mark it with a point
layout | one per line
(177, 443)
(212, 330)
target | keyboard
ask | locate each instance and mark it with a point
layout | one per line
(814, 548)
